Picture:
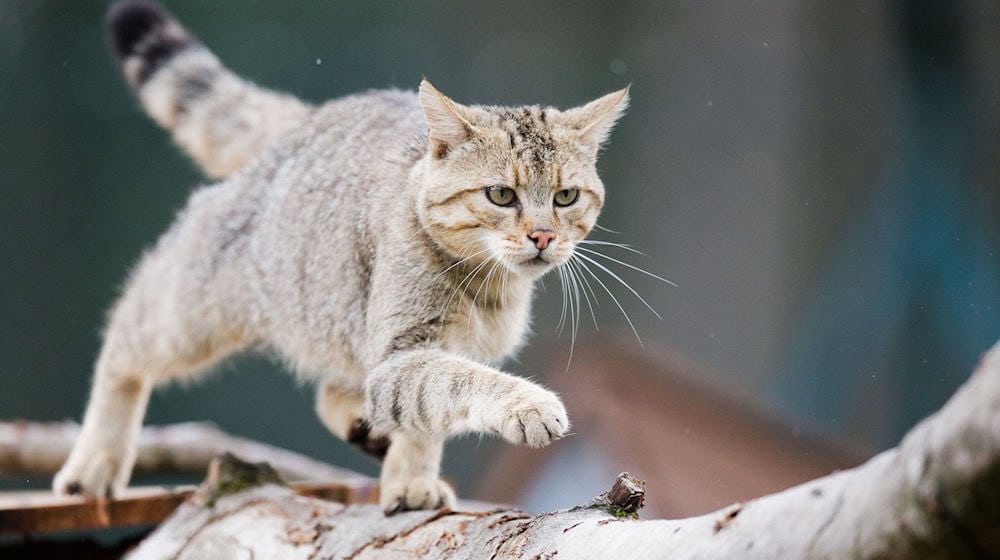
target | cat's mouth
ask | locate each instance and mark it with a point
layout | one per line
(536, 262)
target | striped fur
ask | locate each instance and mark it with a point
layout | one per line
(221, 120)
(362, 247)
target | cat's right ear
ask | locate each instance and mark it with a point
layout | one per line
(448, 122)
(594, 121)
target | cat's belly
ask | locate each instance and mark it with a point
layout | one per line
(325, 363)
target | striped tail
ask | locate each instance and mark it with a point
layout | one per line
(219, 119)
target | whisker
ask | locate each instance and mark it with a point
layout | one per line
(506, 275)
(420, 228)
(482, 285)
(602, 228)
(623, 263)
(581, 279)
(468, 278)
(612, 244)
(586, 282)
(457, 263)
(574, 297)
(562, 288)
(613, 298)
(623, 283)
(575, 316)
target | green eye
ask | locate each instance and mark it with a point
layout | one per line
(566, 197)
(501, 196)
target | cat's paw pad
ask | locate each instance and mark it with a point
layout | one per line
(536, 421)
(93, 475)
(419, 492)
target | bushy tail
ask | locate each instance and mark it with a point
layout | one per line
(221, 120)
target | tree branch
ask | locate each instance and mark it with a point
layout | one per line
(41, 448)
(936, 495)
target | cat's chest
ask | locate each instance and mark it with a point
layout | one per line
(488, 335)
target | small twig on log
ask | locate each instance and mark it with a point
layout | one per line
(624, 499)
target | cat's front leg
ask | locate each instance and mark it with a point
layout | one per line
(421, 397)
(409, 479)
(437, 393)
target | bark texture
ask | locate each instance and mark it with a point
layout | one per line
(936, 495)
(41, 448)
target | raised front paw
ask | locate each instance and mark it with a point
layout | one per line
(420, 492)
(535, 417)
(94, 474)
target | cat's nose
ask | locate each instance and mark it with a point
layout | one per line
(541, 237)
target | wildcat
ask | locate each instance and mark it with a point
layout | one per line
(384, 244)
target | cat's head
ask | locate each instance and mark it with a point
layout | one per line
(516, 185)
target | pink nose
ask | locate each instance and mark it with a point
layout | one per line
(541, 237)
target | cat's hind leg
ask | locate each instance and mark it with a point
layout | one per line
(101, 460)
(343, 413)
(165, 325)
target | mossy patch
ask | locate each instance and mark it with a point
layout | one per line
(615, 510)
(231, 475)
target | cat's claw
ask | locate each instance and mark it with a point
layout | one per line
(420, 492)
(96, 475)
(536, 422)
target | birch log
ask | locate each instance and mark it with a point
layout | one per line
(936, 495)
(42, 447)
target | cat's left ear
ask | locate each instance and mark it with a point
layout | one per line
(448, 123)
(593, 122)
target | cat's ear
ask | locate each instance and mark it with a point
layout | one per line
(448, 122)
(593, 122)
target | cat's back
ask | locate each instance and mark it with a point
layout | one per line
(319, 190)
(344, 153)
(384, 121)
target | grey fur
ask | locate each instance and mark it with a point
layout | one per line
(359, 245)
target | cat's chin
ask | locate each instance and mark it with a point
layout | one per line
(535, 266)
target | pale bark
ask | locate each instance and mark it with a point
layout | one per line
(41, 448)
(936, 495)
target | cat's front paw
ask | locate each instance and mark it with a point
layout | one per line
(537, 418)
(94, 474)
(420, 492)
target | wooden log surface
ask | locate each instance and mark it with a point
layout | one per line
(42, 447)
(33, 448)
(935, 496)
(41, 511)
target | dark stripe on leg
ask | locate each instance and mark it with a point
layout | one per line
(397, 411)
(422, 405)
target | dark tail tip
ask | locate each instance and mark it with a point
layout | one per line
(143, 29)
(131, 21)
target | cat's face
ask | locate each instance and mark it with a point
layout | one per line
(516, 186)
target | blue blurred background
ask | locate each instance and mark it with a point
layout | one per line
(819, 178)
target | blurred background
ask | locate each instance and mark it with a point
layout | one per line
(819, 179)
